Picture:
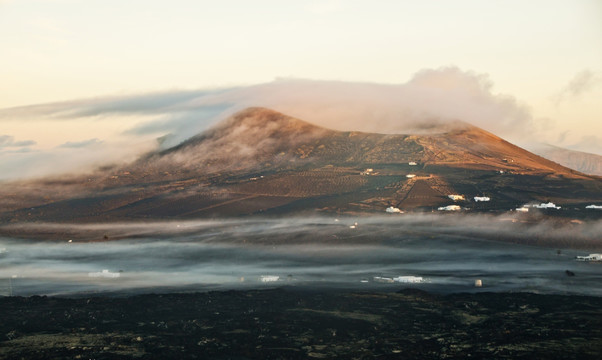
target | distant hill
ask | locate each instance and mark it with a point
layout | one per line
(581, 161)
(263, 162)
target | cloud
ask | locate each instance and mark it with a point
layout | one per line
(150, 103)
(9, 141)
(448, 250)
(21, 150)
(182, 124)
(151, 114)
(75, 157)
(583, 82)
(589, 143)
(431, 97)
(81, 144)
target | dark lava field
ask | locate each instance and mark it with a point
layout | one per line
(285, 323)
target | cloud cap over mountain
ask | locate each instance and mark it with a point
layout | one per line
(430, 98)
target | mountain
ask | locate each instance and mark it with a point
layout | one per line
(263, 162)
(262, 138)
(581, 161)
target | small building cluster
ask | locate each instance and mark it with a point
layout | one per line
(450, 208)
(549, 205)
(400, 279)
(409, 279)
(590, 257)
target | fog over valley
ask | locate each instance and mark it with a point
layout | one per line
(433, 252)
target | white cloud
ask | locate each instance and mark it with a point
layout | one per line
(431, 96)
(589, 143)
(582, 83)
(74, 159)
(8, 141)
(81, 144)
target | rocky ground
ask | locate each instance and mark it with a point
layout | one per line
(290, 323)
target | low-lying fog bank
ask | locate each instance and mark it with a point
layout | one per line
(438, 253)
(526, 229)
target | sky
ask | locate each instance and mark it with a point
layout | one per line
(82, 82)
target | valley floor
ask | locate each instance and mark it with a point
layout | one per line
(289, 323)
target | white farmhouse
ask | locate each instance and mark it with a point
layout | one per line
(450, 208)
(393, 210)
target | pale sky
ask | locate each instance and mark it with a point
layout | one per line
(544, 54)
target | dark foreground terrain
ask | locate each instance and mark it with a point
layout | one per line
(299, 324)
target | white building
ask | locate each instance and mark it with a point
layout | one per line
(590, 257)
(549, 205)
(409, 279)
(450, 208)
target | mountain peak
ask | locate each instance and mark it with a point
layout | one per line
(259, 135)
(250, 137)
(270, 122)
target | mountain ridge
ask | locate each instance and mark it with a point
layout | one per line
(459, 144)
(260, 132)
